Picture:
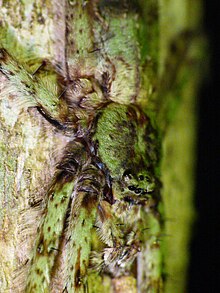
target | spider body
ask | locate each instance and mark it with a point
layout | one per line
(106, 182)
(107, 179)
(106, 75)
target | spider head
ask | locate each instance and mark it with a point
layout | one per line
(141, 183)
(137, 187)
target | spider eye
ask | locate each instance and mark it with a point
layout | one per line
(138, 190)
(141, 177)
(131, 187)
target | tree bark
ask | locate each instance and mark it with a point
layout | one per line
(30, 146)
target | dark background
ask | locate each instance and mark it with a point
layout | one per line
(204, 272)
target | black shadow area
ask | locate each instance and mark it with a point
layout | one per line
(204, 271)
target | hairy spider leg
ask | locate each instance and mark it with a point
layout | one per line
(82, 218)
(51, 230)
(71, 112)
(34, 92)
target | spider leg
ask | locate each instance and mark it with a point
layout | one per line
(70, 110)
(81, 223)
(33, 91)
(122, 244)
(50, 234)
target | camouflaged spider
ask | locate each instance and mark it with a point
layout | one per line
(106, 179)
(106, 183)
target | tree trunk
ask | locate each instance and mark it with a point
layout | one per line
(36, 31)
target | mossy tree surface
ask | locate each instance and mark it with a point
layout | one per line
(160, 47)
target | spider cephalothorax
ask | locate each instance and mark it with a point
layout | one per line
(120, 133)
(126, 143)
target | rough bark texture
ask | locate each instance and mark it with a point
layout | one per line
(30, 147)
